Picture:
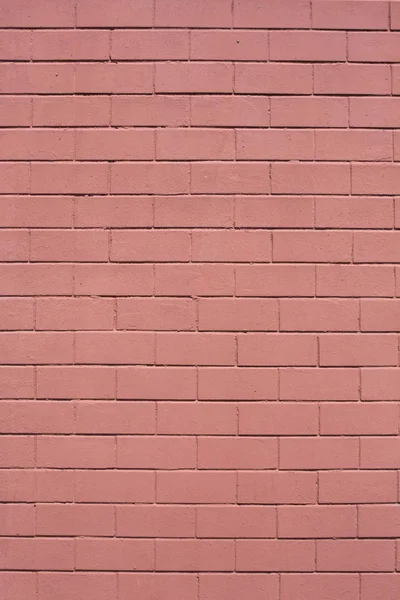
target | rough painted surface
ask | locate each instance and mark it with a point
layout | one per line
(199, 319)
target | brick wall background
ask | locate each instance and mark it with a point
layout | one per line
(199, 315)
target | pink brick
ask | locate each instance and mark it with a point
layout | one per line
(277, 487)
(199, 13)
(193, 211)
(16, 313)
(122, 13)
(75, 382)
(14, 246)
(36, 347)
(309, 111)
(379, 521)
(70, 45)
(355, 555)
(195, 349)
(379, 453)
(380, 384)
(231, 246)
(373, 584)
(376, 179)
(294, 14)
(76, 452)
(259, 78)
(353, 487)
(36, 417)
(282, 349)
(155, 521)
(374, 112)
(14, 178)
(359, 418)
(380, 315)
(236, 586)
(36, 554)
(150, 45)
(230, 111)
(17, 382)
(196, 418)
(274, 418)
(237, 384)
(74, 313)
(116, 144)
(24, 14)
(238, 314)
(150, 110)
(195, 144)
(149, 178)
(374, 47)
(274, 211)
(376, 247)
(70, 519)
(15, 110)
(195, 555)
(229, 45)
(115, 417)
(149, 246)
(307, 45)
(114, 347)
(69, 178)
(111, 279)
(354, 145)
(236, 521)
(319, 314)
(353, 14)
(328, 585)
(275, 555)
(70, 111)
(194, 280)
(317, 521)
(354, 350)
(230, 178)
(116, 211)
(161, 452)
(349, 280)
(36, 78)
(89, 245)
(275, 144)
(319, 453)
(196, 77)
(156, 313)
(156, 383)
(194, 487)
(348, 213)
(310, 178)
(275, 280)
(17, 585)
(26, 144)
(122, 78)
(114, 486)
(352, 79)
(319, 384)
(170, 586)
(237, 452)
(17, 520)
(304, 246)
(52, 586)
(118, 554)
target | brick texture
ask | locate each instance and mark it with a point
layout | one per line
(199, 299)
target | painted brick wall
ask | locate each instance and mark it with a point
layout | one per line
(199, 315)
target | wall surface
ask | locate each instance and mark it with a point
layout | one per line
(199, 316)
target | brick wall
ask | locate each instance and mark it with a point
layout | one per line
(199, 324)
